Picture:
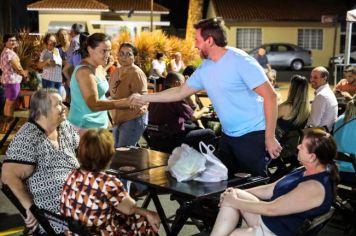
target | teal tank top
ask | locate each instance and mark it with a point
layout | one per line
(80, 114)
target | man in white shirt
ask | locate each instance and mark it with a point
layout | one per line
(324, 107)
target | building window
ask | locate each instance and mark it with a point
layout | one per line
(310, 38)
(248, 38)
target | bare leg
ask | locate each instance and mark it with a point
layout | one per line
(226, 221)
(9, 108)
(250, 218)
(228, 218)
(250, 231)
(8, 113)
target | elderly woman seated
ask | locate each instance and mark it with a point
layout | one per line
(280, 208)
(41, 155)
(99, 200)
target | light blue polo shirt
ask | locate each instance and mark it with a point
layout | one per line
(229, 83)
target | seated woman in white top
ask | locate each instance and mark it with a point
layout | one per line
(158, 69)
(159, 66)
(176, 64)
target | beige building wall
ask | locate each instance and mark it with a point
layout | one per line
(145, 18)
(45, 18)
(273, 32)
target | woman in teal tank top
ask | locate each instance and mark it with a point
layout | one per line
(88, 108)
(280, 208)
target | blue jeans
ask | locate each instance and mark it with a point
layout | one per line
(129, 132)
(51, 84)
(246, 153)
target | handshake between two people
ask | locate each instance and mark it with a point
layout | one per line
(137, 100)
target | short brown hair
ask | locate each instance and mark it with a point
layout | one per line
(213, 27)
(350, 68)
(172, 79)
(96, 148)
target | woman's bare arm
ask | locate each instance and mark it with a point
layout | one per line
(88, 89)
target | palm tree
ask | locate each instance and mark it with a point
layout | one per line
(195, 13)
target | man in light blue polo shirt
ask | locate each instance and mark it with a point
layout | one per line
(243, 99)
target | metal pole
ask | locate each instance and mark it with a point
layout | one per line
(151, 15)
(348, 42)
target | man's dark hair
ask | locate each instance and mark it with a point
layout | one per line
(213, 27)
(189, 70)
(159, 55)
(172, 79)
(77, 28)
(7, 37)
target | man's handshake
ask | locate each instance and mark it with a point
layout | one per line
(137, 99)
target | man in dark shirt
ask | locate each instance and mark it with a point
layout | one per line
(262, 59)
(176, 121)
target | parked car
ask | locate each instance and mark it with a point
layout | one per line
(339, 58)
(286, 55)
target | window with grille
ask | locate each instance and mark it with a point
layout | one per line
(248, 38)
(310, 38)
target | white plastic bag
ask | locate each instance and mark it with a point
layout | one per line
(215, 170)
(185, 163)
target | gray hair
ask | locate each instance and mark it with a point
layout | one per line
(41, 103)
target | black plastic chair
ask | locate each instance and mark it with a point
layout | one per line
(13, 199)
(49, 220)
(287, 161)
(311, 227)
(347, 193)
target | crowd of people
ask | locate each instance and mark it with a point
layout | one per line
(53, 161)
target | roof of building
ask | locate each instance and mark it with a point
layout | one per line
(68, 5)
(277, 10)
(96, 5)
(137, 5)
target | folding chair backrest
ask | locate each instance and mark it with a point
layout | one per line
(49, 220)
(44, 221)
(290, 142)
(14, 200)
(313, 226)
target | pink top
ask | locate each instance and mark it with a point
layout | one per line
(9, 75)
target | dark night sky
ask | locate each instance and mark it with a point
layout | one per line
(177, 16)
(178, 11)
